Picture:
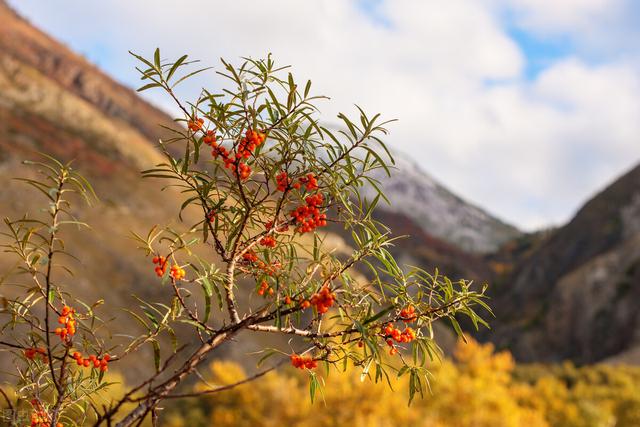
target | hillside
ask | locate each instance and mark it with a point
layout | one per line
(53, 101)
(575, 296)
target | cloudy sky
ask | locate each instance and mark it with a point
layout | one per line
(525, 107)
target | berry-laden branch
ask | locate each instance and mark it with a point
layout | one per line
(261, 181)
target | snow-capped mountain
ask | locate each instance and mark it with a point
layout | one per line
(439, 212)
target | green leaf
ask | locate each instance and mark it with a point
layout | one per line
(189, 75)
(268, 353)
(378, 315)
(148, 86)
(208, 293)
(175, 66)
(307, 88)
(314, 385)
(156, 59)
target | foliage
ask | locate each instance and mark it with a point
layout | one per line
(589, 396)
(263, 177)
(477, 388)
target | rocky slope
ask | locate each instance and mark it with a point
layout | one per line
(576, 295)
(439, 212)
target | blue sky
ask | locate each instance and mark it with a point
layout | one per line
(525, 107)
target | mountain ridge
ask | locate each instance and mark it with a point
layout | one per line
(439, 212)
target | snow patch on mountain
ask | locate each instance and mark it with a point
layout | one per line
(439, 212)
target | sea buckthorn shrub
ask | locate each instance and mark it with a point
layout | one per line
(264, 179)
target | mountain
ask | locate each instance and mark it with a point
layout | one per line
(438, 212)
(576, 294)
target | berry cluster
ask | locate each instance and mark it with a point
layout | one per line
(31, 353)
(265, 289)
(310, 182)
(323, 300)
(245, 149)
(177, 272)
(68, 323)
(268, 241)
(391, 334)
(96, 362)
(219, 150)
(283, 181)
(408, 315)
(211, 215)
(243, 170)
(304, 304)
(161, 267)
(250, 258)
(308, 217)
(303, 362)
(195, 125)
(40, 417)
(210, 139)
(249, 143)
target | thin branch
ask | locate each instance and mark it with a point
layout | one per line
(228, 386)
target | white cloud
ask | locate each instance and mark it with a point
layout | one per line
(595, 27)
(564, 14)
(530, 151)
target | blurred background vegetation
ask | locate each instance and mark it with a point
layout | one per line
(477, 387)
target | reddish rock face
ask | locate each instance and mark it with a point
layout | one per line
(32, 47)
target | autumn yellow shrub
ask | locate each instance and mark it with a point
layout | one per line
(475, 390)
(477, 387)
